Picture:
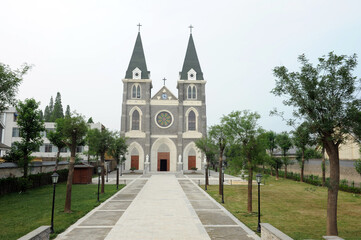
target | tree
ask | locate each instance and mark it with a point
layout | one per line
(118, 147)
(218, 136)
(41, 115)
(57, 139)
(51, 108)
(30, 126)
(73, 128)
(271, 146)
(46, 114)
(207, 146)
(100, 142)
(242, 128)
(302, 139)
(58, 109)
(358, 166)
(324, 96)
(67, 111)
(9, 83)
(90, 120)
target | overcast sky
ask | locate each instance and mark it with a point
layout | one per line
(82, 48)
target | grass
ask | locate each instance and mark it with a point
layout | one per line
(297, 209)
(24, 212)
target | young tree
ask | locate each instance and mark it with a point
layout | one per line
(41, 115)
(285, 143)
(30, 126)
(9, 83)
(302, 139)
(271, 146)
(100, 142)
(74, 129)
(216, 133)
(57, 139)
(46, 114)
(118, 147)
(324, 96)
(58, 109)
(207, 146)
(67, 111)
(242, 128)
(51, 107)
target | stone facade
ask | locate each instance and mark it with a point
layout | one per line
(161, 129)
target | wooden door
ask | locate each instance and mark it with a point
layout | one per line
(163, 155)
(191, 162)
(134, 162)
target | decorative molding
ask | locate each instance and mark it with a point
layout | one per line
(192, 81)
(136, 102)
(164, 102)
(163, 136)
(135, 134)
(156, 115)
(192, 134)
(192, 103)
(136, 80)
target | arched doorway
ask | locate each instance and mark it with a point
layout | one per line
(163, 155)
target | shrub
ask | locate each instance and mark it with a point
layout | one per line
(194, 168)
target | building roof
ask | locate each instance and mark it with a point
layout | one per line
(191, 61)
(137, 60)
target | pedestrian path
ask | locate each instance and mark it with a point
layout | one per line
(159, 206)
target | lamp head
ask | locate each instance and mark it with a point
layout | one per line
(99, 170)
(55, 177)
(259, 178)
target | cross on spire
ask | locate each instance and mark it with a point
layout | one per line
(139, 27)
(190, 27)
(164, 79)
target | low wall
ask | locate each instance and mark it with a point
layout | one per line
(8, 169)
(269, 232)
(346, 172)
(41, 233)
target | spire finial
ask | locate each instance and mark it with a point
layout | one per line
(190, 27)
(139, 27)
(164, 79)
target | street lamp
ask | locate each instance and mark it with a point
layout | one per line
(99, 172)
(259, 179)
(107, 163)
(54, 178)
(205, 175)
(222, 182)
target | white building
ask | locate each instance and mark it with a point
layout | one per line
(47, 152)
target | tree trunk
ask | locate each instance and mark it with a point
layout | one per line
(323, 167)
(220, 172)
(277, 174)
(271, 171)
(26, 167)
(57, 160)
(333, 153)
(207, 181)
(250, 177)
(102, 160)
(285, 176)
(302, 164)
(69, 183)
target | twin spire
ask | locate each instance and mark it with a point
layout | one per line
(138, 60)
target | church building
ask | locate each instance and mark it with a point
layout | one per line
(161, 129)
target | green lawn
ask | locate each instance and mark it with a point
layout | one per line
(297, 209)
(22, 213)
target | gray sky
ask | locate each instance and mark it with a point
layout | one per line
(82, 48)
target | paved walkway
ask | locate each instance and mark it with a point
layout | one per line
(159, 206)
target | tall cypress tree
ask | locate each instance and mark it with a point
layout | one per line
(47, 114)
(58, 109)
(67, 111)
(51, 106)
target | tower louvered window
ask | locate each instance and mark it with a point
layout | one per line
(135, 120)
(136, 91)
(192, 92)
(191, 121)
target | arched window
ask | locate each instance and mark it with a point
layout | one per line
(192, 92)
(191, 121)
(136, 91)
(135, 120)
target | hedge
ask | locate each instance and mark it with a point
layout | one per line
(316, 180)
(13, 184)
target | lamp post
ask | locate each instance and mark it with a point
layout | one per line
(259, 179)
(205, 175)
(107, 164)
(99, 172)
(54, 178)
(222, 182)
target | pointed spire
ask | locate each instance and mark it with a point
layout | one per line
(191, 61)
(137, 60)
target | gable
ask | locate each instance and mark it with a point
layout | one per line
(164, 91)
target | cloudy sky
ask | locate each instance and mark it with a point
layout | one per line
(82, 48)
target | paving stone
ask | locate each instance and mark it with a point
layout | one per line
(100, 218)
(229, 233)
(87, 233)
(204, 205)
(131, 191)
(125, 196)
(116, 205)
(196, 196)
(213, 217)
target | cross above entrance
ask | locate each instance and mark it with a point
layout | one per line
(164, 79)
(139, 27)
